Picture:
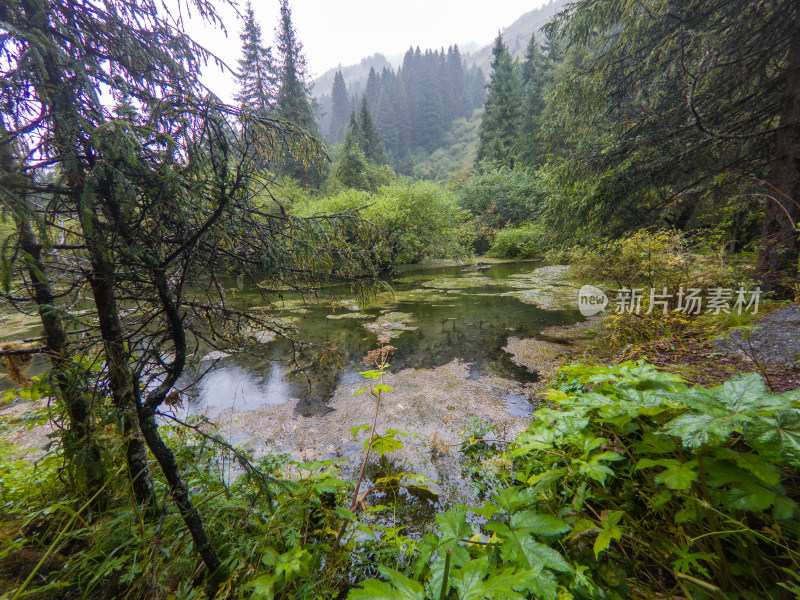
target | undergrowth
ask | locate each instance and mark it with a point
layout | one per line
(627, 484)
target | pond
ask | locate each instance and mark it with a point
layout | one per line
(433, 316)
(469, 342)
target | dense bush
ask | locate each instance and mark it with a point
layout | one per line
(352, 169)
(657, 259)
(265, 529)
(526, 241)
(502, 196)
(416, 219)
(284, 193)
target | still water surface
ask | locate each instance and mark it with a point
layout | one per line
(433, 316)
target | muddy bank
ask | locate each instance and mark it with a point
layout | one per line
(552, 348)
(434, 405)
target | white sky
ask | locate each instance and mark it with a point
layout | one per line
(335, 32)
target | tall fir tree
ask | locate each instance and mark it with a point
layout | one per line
(457, 81)
(370, 139)
(256, 74)
(500, 122)
(373, 88)
(535, 68)
(294, 102)
(340, 109)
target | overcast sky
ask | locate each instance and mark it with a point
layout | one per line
(335, 32)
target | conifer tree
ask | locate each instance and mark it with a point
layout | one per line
(355, 169)
(370, 139)
(500, 123)
(534, 73)
(340, 108)
(457, 80)
(294, 101)
(256, 73)
(373, 89)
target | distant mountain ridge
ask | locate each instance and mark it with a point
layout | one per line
(518, 34)
(515, 35)
(352, 73)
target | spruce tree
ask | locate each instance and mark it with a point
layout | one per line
(373, 89)
(294, 101)
(500, 123)
(294, 95)
(531, 148)
(370, 137)
(340, 108)
(457, 81)
(256, 73)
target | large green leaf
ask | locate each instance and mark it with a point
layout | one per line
(596, 470)
(718, 412)
(469, 580)
(776, 436)
(610, 530)
(677, 475)
(399, 587)
(453, 527)
(521, 548)
(512, 498)
(538, 523)
(698, 429)
(754, 464)
(751, 496)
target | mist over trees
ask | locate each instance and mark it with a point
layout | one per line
(414, 106)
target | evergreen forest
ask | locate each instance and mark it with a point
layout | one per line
(513, 322)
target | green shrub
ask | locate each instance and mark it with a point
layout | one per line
(416, 219)
(657, 259)
(502, 196)
(526, 241)
(352, 169)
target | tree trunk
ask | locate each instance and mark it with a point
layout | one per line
(780, 248)
(80, 447)
(178, 489)
(164, 456)
(121, 380)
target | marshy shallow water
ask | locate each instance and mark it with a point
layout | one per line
(433, 317)
(470, 343)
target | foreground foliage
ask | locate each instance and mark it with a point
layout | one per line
(628, 483)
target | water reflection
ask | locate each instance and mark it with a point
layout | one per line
(436, 316)
(242, 389)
